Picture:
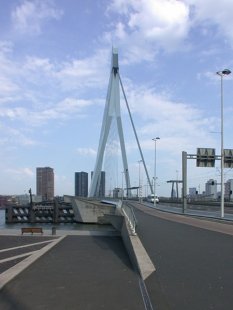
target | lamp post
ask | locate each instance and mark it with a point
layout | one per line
(122, 187)
(221, 74)
(139, 181)
(155, 139)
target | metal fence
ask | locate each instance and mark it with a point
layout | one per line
(128, 212)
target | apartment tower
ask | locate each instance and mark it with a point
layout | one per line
(45, 183)
(81, 184)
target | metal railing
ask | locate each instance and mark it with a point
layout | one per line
(128, 212)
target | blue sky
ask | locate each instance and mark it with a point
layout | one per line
(55, 59)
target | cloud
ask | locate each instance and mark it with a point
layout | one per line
(86, 152)
(22, 79)
(146, 26)
(21, 82)
(79, 73)
(7, 86)
(13, 113)
(210, 13)
(180, 125)
(66, 109)
(36, 63)
(16, 137)
(5, 47)
(29, 17)
(87, 72)
(21, 173)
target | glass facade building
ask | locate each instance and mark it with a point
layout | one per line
(81, 184)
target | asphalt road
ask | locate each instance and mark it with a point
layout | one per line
(80, 272)
(194, 265)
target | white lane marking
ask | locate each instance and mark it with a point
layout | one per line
(145, 295)
(12, 272)
(16, 257)
(26, 245)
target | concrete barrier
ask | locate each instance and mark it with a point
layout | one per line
(90, 211)
(136, 251)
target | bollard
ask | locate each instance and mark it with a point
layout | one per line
(53, 230)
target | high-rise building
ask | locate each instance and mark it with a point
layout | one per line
(211, 189)
(118, 192)
(100, 191)
(229, 189)
(192, 192)
(45, 183)
(81, 184)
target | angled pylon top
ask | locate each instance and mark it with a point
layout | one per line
(115, 65)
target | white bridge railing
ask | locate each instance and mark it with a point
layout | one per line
(128, 212)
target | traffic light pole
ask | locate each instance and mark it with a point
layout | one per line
(184, 179)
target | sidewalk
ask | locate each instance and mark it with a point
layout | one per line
(80, 272)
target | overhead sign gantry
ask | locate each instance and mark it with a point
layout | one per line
(205, 157)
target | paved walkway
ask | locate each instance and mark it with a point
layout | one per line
(78, 272)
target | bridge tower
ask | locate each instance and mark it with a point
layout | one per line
(112, 110)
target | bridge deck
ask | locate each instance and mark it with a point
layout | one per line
(193, 260)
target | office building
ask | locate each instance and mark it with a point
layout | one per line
(193, 192)
(81, 184)
(118, 192)
(229, 189)
(211, 189)
(45, 183)
(101, 185)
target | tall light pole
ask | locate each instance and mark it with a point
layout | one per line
(139, 180)
(221, 74)
(155, 139)
(122, 187)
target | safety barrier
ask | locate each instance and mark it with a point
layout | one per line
(128, 212)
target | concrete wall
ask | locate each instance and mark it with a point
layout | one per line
(136, 251)
(90, 211)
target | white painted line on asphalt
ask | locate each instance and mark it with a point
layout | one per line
(12, 272)
(145, 295)
(16, 257)
(25, 245)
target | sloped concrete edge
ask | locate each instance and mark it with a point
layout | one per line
(137, 253)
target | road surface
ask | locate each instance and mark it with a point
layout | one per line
(193, 258)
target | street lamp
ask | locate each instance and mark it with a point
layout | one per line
(155, 139)
(221, 74)
(122, 187)
(139, 180)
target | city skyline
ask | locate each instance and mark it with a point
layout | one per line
(55, 58)
(210, 189)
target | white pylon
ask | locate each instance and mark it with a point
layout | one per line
(112, 110)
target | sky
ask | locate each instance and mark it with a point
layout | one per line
(55, 61)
